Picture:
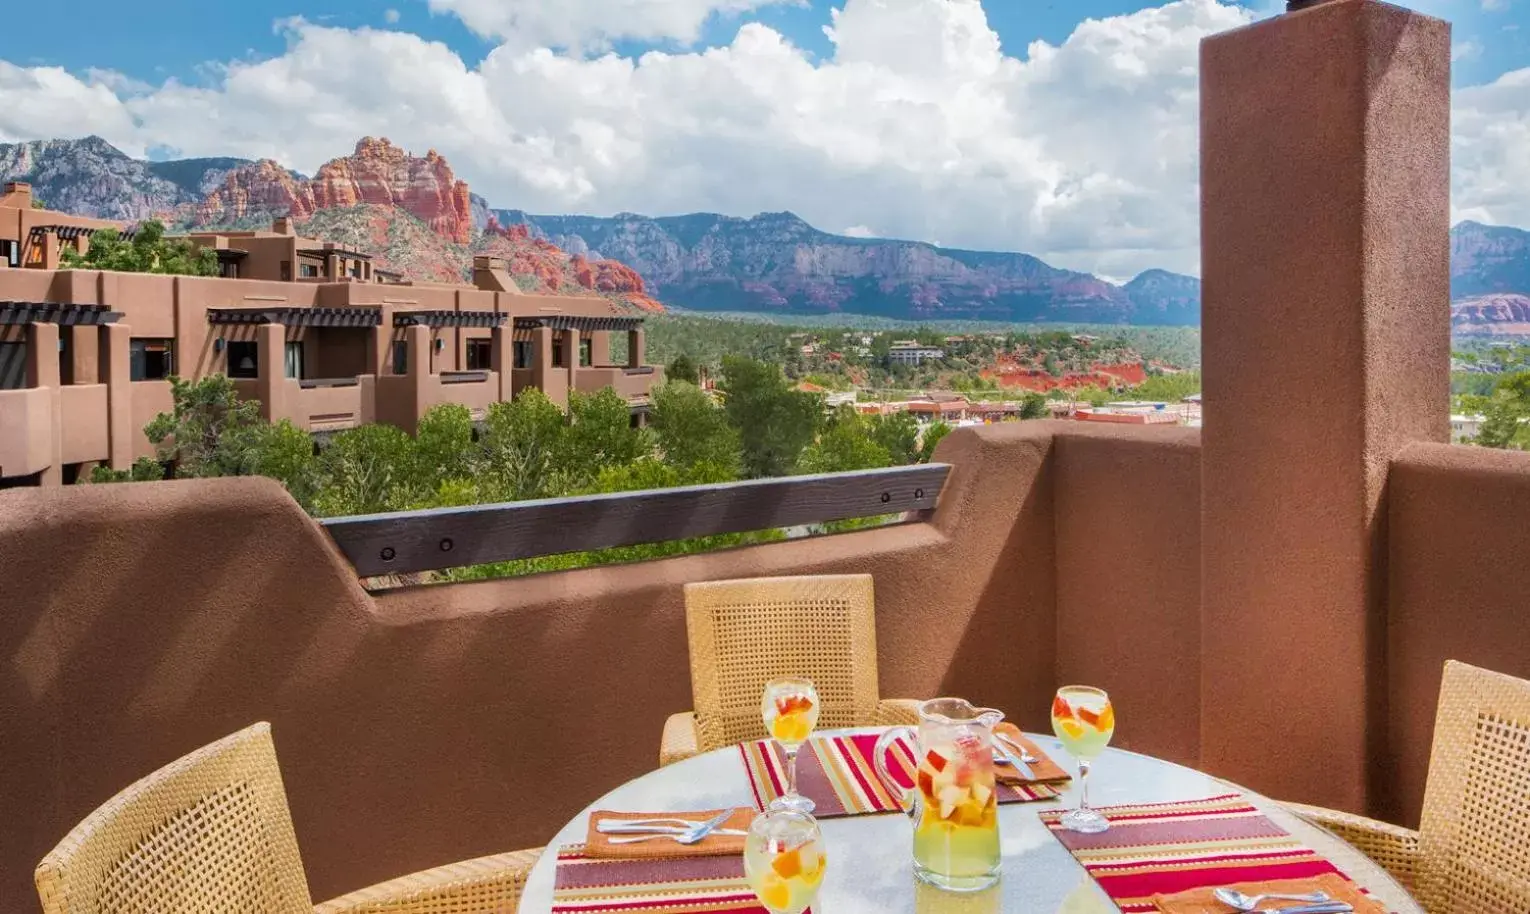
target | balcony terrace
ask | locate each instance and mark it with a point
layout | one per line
(1271, 599)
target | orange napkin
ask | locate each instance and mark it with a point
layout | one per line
(1201, 901)
(599, 845)
(1044, 768)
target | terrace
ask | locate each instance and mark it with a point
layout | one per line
(1270, 600)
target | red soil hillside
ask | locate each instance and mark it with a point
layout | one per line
(553, 270)
(1011, 375)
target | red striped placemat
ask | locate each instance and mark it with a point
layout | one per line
(1165, 848)
(836, 773)
(651, 885)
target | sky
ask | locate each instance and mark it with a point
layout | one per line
(1063, 128)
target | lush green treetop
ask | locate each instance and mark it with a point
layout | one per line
(148, 251)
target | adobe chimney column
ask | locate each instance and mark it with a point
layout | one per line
(1325, 238)
(43, 371)
(115, 372)
(271, 370)
(637, 348)
(499, 362)
(551, 382)
(571, 349)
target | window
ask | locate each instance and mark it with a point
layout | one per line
(480, 355)
(229, 269)
(286, 271)
(295, 360)
(522, 349)
(150, 359)
(559, 359)
(400, 357)
(243, 360)
(13, 366)
(308, 270)
(585, 357)
(10, 253)
(356, 268)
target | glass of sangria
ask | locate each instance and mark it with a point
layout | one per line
(1083, 720)
(784, 860)
(954, 804)
(790, 711)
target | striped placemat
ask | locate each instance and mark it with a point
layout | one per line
(836, 773)
(651, 885)
(1164, 848)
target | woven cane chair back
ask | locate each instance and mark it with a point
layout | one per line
(208, 834)
(744, 633)
(1474, 837)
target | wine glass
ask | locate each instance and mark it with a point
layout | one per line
(1084, 720)
(784, 859)
(790, 711)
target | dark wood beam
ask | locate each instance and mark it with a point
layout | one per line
(410, 541)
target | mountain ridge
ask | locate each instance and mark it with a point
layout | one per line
(773, 262)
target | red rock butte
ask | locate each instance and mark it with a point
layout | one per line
(378, 173)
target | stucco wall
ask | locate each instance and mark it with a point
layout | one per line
(85, 434)
(1459, 589)
(438, 723)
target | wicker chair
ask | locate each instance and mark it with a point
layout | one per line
(211, 832)
(743, 633)
(1471, 854)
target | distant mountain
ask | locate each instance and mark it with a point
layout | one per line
(777, 262)
(91, 177)
(772, 262)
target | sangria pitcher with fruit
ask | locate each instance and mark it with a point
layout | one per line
(954, 804)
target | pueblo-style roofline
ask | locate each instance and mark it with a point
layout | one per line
(580, 322)
(298, 317)
(24, 312)
(442, 318)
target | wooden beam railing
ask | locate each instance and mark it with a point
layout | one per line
(410, 541)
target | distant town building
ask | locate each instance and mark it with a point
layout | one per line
(911, 353)
(1465, 428)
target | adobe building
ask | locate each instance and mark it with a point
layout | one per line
(85, 355)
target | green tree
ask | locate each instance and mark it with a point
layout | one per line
(522, 444)
(898, 435)
(149, 251)
(444, 450)
(286, 453)
(774, 421)
(144, 469)
(209, 430)
(1034, 406)
(683, 368)
(932, 437)
(599, 435)
(845, 444)
(1506, 414)
(692, 431)
(368, 470)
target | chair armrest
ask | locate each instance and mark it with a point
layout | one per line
(1393, 847)
(894, 711)
(487, 885)
(679, 740)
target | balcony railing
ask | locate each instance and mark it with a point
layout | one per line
(464, 377)
(431, 540)
(312, 383)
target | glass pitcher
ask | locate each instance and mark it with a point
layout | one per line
(954, 805)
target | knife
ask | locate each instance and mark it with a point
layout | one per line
(1026, 771)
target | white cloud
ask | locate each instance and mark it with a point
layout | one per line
(391, 16)
(859, 231)
(1491, 129)
(1465, 50)
(1084, 153)
(1495, 6)
(525, 24)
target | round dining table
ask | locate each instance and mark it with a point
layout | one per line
(870, 856)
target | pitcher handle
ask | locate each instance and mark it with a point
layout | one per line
(910, 800)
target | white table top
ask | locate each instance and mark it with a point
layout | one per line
(870, 863)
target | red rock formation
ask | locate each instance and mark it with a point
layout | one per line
(378, 173)
(260, 188)
(382, 173)
(1500, 313)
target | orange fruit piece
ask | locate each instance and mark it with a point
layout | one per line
(1073, 728)
(1061, 708)
(788, 864)
(1089, 717)
(775, 893)
(1107, 719)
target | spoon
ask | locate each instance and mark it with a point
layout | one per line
(1236, 899)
